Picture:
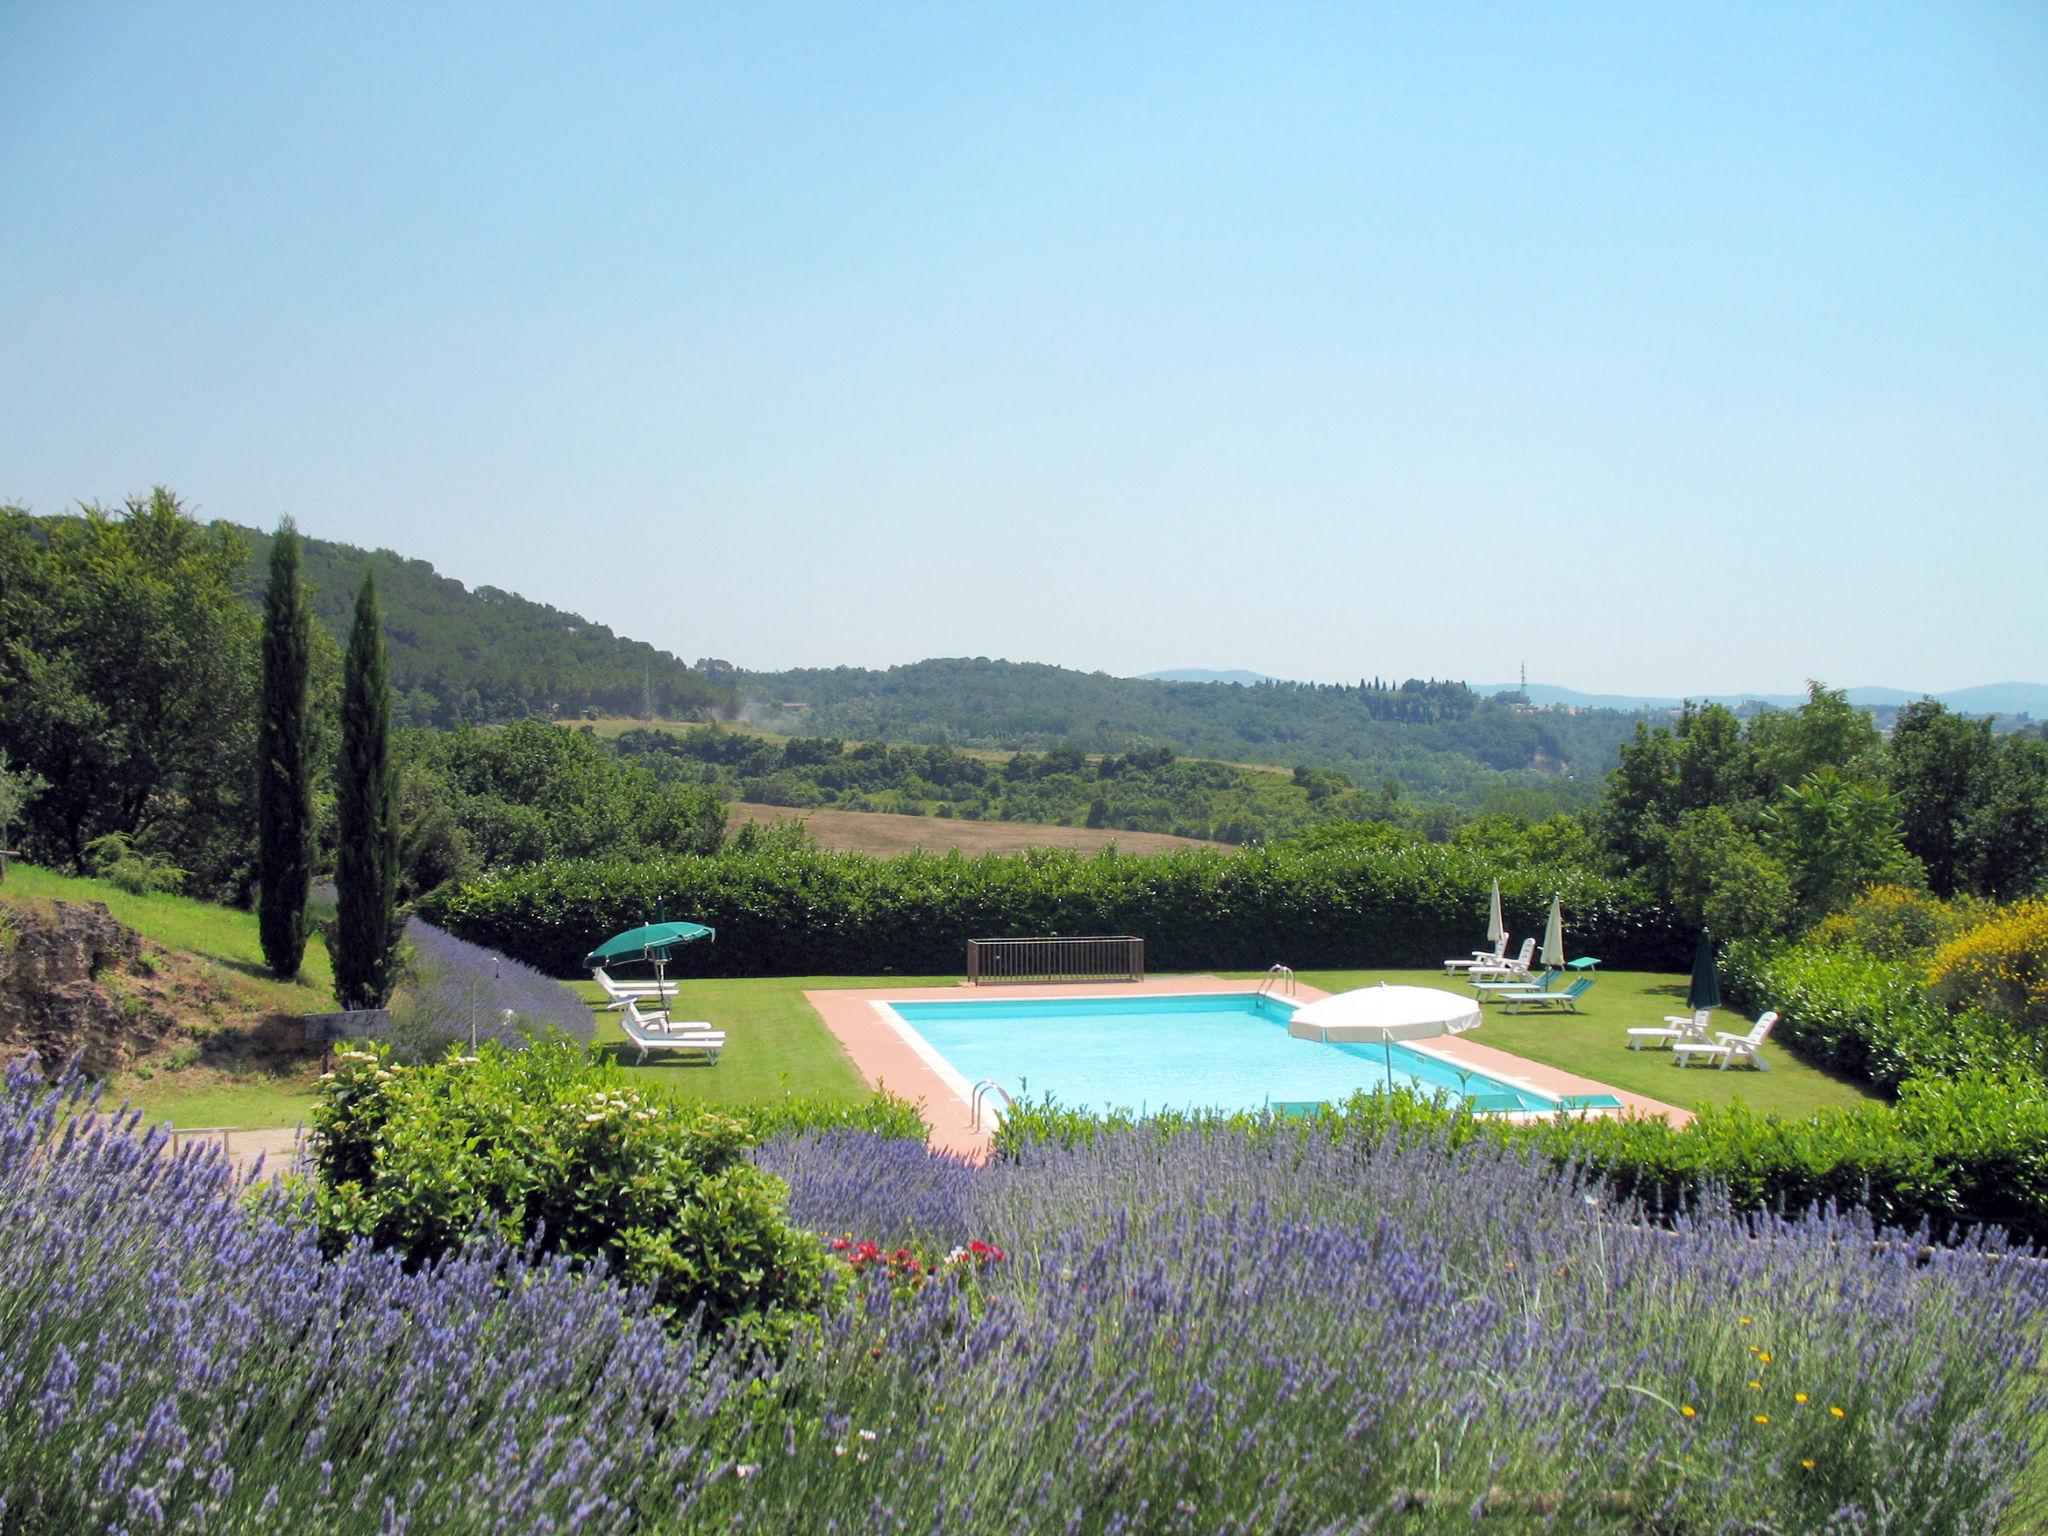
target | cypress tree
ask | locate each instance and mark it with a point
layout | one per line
(366, 929)
(284, 780)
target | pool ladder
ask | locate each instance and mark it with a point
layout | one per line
(1279, 982)
(984, 1090)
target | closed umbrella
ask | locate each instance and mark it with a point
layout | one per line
(1706, 982)
(1384, 1014)
(1553, 934)
(1496, 930)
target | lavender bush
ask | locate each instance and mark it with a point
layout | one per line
(176, 1362)
(1215, 1332)
(1200, 1332)
(455, 989)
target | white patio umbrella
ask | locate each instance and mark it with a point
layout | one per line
(1495, 928)
(1553, 934)
(1384, 1014)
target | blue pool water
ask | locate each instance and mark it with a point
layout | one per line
(1196, 1051)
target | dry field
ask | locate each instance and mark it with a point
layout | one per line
(881, 832)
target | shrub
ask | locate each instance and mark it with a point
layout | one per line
(1319, 1328)
(883, 1114)
(1961, 1153)
(454, 992)
(179, 1361)
(1893, 922)
(115, 858)
(1872, 1019)
(797, 911)
(550, 1148)
(2000, 966)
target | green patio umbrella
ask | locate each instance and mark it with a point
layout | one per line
(650, 942)
(1553, 934)
(1706, 984)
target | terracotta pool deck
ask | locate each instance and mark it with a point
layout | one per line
(890, 1061)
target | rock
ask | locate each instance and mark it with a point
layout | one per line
(60, 968)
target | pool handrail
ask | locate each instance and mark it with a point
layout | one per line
(1279, 978)
(982, 1091)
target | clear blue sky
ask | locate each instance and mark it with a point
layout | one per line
(1665, 348)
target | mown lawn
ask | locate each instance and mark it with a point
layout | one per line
(1594, 1043)
(776, 1043)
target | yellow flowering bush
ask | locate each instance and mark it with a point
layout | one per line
(2000, 966)
(1895, 922)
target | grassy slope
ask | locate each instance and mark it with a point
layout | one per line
(223, 938)
(1594, 1043)
(224, 942)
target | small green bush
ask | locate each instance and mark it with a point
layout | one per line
(882, 1113)
(548, 1146)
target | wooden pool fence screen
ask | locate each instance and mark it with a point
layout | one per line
(1097, 957)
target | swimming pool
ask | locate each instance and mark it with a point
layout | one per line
(1187, 1051)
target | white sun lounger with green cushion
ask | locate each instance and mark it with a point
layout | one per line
(1566, 999)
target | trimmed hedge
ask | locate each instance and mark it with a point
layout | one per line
(1953, 1154)
(784, 912)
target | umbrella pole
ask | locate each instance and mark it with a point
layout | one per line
(1387, 1050)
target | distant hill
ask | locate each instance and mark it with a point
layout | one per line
(1435, 739)
(2012, 699)
(487, 655)
(1204, 675)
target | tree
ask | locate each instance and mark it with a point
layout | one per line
(1942, 770)
(1837, 837)
(284, 774)
(367, 924)
(1723, 878)
(1827, 731)
(17, 788)
(128, 663)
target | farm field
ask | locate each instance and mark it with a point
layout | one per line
(884, 833)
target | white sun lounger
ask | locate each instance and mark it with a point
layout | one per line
(657, 1032)
(620, 992)
(1506, 970)
(1672, 1031)
(1728, 1049)
(1493, 956)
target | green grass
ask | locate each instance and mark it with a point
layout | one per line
(224, 938)
(776, 1043)
(254, 1103)
(1594, 1043)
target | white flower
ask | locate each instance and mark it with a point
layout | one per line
(747, 1468)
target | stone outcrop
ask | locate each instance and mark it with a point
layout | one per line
(69, 979)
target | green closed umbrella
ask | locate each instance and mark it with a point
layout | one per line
(1706, 984)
